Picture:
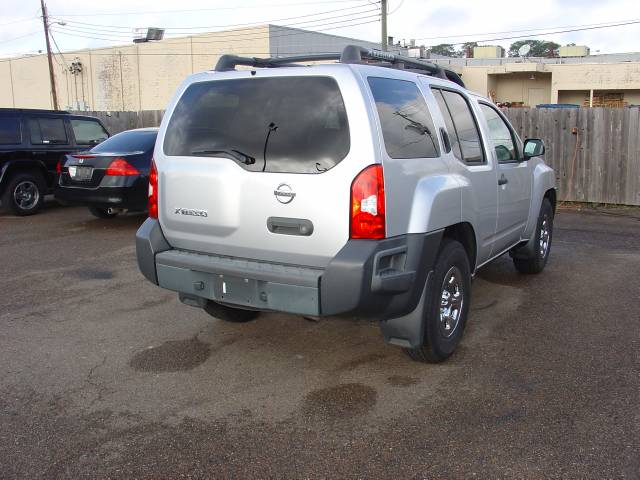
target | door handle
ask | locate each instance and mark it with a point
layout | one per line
(502, 180)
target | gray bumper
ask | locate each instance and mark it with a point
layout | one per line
(382, 280)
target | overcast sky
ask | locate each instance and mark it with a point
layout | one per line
(429, 21)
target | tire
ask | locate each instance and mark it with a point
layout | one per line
(535, 263)
(24, 194)
(102, 212)
(451, 277)
(229, 314)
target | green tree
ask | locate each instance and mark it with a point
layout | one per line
(446, 49)
(539, 48)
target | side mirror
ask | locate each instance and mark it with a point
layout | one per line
(533, 147)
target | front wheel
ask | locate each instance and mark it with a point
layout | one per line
(535, 261)
(24, 194)
(446, 306)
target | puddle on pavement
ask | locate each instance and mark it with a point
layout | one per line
(91, 274)
(172, 356)
(340, 401)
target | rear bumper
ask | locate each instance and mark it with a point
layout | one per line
(118, 192)
(377, 279)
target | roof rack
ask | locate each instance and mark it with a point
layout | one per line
(351, 54)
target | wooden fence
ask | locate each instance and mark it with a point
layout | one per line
(595, 152)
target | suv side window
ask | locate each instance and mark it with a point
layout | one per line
(501, 135)
(88, 132)
(10, 132)
(407, 127)
(448, 121)
(465, 130)
(47, 131)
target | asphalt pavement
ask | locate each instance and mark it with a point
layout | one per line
(103, 375)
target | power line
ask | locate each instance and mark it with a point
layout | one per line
(221, 36)
(227, 37)
(262, 22)
(19, 21)
(524, 30)
(161, 12)
(549, 33)
(108, 33)
(18, 38)
(226, 40)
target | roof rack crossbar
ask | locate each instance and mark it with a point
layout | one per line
(351, 54)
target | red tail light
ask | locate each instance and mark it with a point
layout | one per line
(153, 191)
(119, 166)
(59, 167)
(367, 204)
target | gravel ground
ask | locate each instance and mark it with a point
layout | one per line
(103, 375)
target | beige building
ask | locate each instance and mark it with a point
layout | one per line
(144, 76)
(592, 80)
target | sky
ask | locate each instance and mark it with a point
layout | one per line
(430, 22)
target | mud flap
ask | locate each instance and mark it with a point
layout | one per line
(408, 331)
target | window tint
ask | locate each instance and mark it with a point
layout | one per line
(500, 135)
(88, 132)
(405, 120)
(10, 130)
(127, 142)
(283, 124)
(465, 126)
(448, 121)
(47, 131)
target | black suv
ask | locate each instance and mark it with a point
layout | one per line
(33, 146)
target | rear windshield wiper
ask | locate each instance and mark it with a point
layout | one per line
(229, 153)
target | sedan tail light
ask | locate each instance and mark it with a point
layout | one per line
(119, 166)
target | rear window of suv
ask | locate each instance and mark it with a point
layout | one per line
(276, 124)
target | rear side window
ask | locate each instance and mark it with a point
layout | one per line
(10, 133)
(277, 124)
(45, 131)
(466, 129)
(88, 132)
(128, 142)
(407, 128)
(451, 128)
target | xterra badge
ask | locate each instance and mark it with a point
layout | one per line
(191, 211)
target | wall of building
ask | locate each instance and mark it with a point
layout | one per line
(292, 41)
(141, 76)
(528, 88)
(613, 76)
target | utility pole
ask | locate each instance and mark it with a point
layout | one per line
(52, 78)
(383, 23)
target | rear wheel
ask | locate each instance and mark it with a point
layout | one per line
(446, 306)
(229, 314)
(24, 193)
(536, 261)
(103, 212)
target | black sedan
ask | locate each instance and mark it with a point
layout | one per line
(112, 177)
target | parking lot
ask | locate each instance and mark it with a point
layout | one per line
(103, 375)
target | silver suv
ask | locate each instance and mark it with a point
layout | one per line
(375, 186)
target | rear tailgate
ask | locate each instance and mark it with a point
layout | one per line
(217, 193)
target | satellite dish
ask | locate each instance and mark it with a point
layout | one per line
(524, 49)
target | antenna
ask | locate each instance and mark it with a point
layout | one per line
(524, 50)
